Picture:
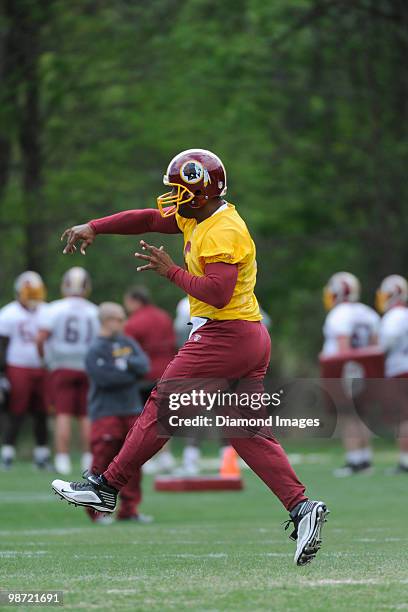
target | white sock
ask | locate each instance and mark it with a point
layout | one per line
(165, 460)
(355, 457)
(86, 461)
(166, 454)
(62, 462)
(63, 456)
(8, 452)
(367, 454)
(41, 453)
(403, 459)
(191, 455)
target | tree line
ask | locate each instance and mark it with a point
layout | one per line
(305, 101)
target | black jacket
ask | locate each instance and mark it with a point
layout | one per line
(115, 367)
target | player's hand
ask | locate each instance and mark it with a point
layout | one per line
(158, 260)
(83, 233)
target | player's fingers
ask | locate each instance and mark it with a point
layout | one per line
(161, 254)
(149, 247)
(84, 245)
(69, 249)
(71, 238)
(146, 267)
(142, 256)
(65, 233)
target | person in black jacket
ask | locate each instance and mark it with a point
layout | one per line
(115, 365)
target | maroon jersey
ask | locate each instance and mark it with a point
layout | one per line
(152, 327)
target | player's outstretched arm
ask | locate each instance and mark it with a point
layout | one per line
(127, 222)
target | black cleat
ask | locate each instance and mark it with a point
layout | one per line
(44, 465)
(350, 469)
(93, 493)
(308, 518)
(143, 519)
(6, 464)
(397, 470)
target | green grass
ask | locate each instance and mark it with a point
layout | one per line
(220, 551)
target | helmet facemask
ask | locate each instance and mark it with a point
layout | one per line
(178, 195)
(31, 296)
(329, 299)
(381, 301)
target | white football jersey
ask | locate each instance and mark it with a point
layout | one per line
(21, 326)
(353, 319)
(394, 340)
(73, 324)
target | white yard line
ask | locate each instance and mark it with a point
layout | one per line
(34, 532)
(5, 554)
(12, 497)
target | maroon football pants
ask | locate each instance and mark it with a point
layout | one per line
(107, 437)
(231, 350)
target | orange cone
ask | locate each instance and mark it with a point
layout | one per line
(229, 463)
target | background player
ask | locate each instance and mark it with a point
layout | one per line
(67, 328)
(349, 325)
(116, 365)
(21, 365)
(392, 297)
(220, 279)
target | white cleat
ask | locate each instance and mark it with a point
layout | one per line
(308, 518)
(93, 493)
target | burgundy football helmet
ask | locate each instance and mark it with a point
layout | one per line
(342, 287)
(393, 291)
(30, 289)
(194, 172)
(76, 282)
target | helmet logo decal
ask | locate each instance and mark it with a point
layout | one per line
(192, 171)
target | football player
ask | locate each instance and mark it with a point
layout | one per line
(219, 278)
(22, 368)
(67, 328)
(349, 325)
(392, 298)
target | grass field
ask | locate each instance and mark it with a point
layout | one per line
(220, 551)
